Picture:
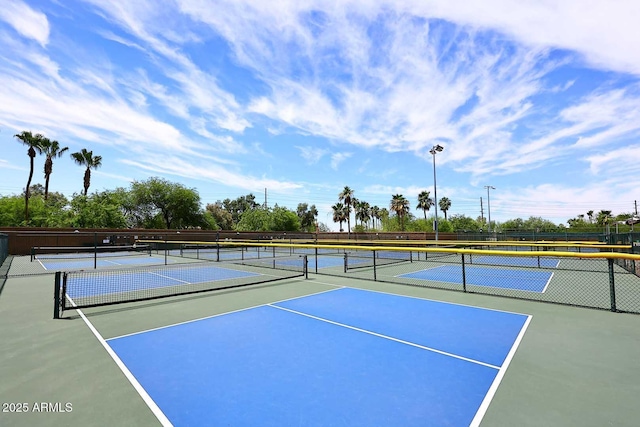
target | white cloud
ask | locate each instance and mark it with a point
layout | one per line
(337, 158)
(312, 155)
(28, 22)
(195, 170)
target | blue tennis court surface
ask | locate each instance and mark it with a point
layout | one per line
(79, 287)
(515, 261)
(343, 357)
(523, 280)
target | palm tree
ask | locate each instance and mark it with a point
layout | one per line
(444, 204)
(362, 212)
(354, 205)
(375, 215)
(590, 215)
(424, 202)
(86, 158)
(33, 142)
(400, 205)
(346, 196)
(339, 213)
(51, 149)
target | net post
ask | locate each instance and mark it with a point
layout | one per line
(306, 267)
(33, 253)
(56, 296)
(464, 275)
(166, 249)
(612, 286)
(95, 250)
(375, 275)
(345, 261)
(316, 254)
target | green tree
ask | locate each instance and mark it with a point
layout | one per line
(362, 211)
(176, 205)
(239, 206)
(33, 142)
(86, 158)
(400, 205)
(221, 216)
(424, 202)
(346, 196)
(463, 223)
(99, 210)
(307, 216)
(283, 219)
(375, 215)
(257, 219)
(603, 217)
(261, 219)
(51, 149)
(444, 204)
(339, 213)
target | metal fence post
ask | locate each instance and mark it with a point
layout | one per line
(464, 275)
(375, 275)
(56, 296)
(612, 286)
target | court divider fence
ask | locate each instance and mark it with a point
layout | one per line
(4, 254)
(597, 276)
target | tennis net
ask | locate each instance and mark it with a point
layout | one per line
(363, 259)
(92, 288)
(83, 252)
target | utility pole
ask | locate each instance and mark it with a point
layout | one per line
(481, 211)
(635, 202)
(265, 198)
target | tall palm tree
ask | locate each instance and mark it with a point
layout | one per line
(86, 158)
(339, 213)
(33, 142)
(590, 215)
(375, 215)
(363, 212)
(400, 205)
(51, 149)
(425, 202)
(354, 205)
(444, 204)
(345, 197)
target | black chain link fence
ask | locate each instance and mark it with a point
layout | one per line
(603, 280)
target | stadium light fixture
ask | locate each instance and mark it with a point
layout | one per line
(435, 149)
(488, 187)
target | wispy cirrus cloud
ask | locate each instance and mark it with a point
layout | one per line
(338, 158)
(27, 21)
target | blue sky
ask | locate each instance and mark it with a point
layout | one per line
(540, 100)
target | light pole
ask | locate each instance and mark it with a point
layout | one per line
(435, 149)
(488, 187)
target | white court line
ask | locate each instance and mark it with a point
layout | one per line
(466, 359)
(171, 278)
(418, 271)
(164, 421)
(548, 282)
(42, 264)
(218, 315)
(496, 382)
(505, 276)
(423, 299)
(112, 262)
